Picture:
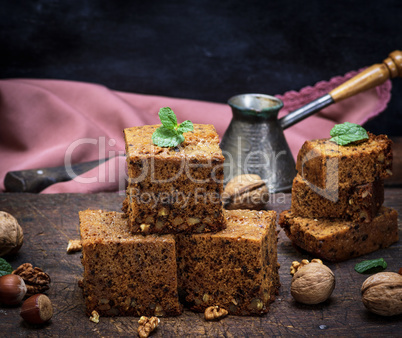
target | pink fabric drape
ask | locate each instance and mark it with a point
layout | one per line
(44, 123)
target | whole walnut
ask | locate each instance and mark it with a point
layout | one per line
(382, 293)
(11, 234)
(312, 284)
(245, 192)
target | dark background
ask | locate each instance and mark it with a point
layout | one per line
(206, 50)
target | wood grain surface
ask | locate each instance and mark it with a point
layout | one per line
(49, 221)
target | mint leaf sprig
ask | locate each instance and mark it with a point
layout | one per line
(5, 267)
(347, 132)
(371, 266)
(170, 134)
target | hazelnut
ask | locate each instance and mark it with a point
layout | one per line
(37, 309)
(12, 289)
(382, 293)
(312, 284)
(11, 235)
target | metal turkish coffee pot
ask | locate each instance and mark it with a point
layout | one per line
(254, 142)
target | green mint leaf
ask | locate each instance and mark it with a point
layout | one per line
(371, 266)
(164, 137)
(168, 118)
(5, 267)
(185, 127)
(170, 134)
(347, 132)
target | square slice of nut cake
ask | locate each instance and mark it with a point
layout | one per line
(126, 274)
(173, 190)
(235, 268)
(337, 239)
(359, 203)
(326, 164)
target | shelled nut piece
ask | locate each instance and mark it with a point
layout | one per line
(382, 293)
(313, 283)
(74, 245)
(147, 325)
(36, 280)
(12, 289)
(11, 234)
(37, 309)
(94, 317)
(215, 313)
(245, 192)
(296, 265)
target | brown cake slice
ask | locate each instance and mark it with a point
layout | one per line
(326, 164)
(126, 274)
(358, 203)
(173, 190)
(338, 239)
(235, 269)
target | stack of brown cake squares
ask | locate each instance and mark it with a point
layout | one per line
(336, 210)
(174, 237)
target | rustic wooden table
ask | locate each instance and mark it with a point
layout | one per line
(49, 221)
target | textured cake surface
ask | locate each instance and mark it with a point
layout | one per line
(326, 164)
(358, 203)
(235, 268)
(126, 274)
(338, 239)
(174, 190)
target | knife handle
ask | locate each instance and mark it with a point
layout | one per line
(371, 77)
(35, 180)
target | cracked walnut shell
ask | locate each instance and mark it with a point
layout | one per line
(382, 293)
(11, 234)
(245, 192)
(313, 283)
(36, 280)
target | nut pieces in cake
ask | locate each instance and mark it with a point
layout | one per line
(312, 284)
(382, 293)
(11, 234)
(245, 192)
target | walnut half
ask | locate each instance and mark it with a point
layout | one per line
(36, 280)
(147, 325)
(215, 313)
(296, 265)
(74, 245)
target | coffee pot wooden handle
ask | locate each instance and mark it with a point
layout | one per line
(371, 77)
